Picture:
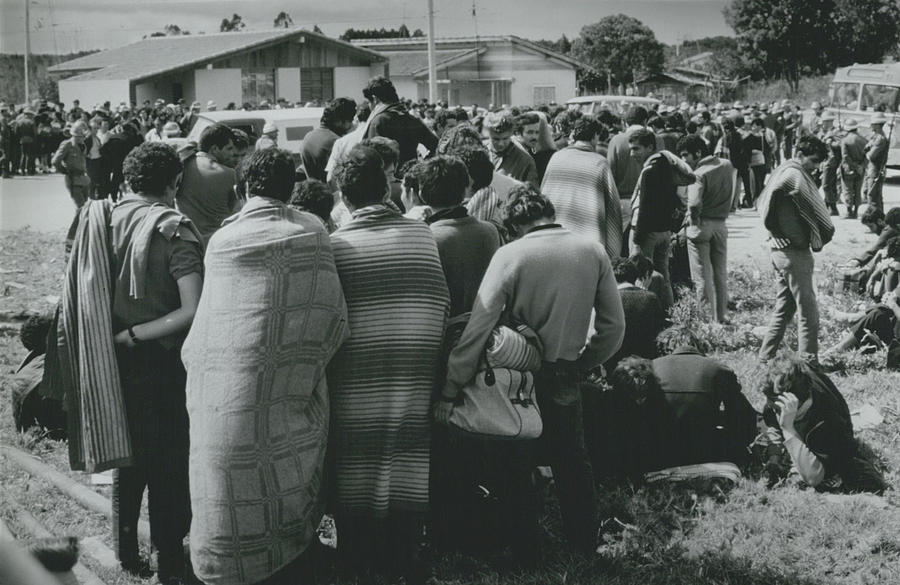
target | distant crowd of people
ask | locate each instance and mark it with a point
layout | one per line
(259, 337)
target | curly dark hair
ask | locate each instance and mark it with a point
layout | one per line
(525, 205)
(812, 146)
(478, 164)
(269, 173)
(151, 167)
(892, 217)
(443, 181)
(680, 336)
(360, 176)
(788, 375)
(586, 127)
(625, 270)
(216, 135)
(387, 148)
(338, 110)
(458, 137)
(635, 379)
(691, 143)
(381, 87)
(315, 197)
(34, 331)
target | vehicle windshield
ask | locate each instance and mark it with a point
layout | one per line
(844, 95)
(881, 98)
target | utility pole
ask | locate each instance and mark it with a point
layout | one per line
(432, 67)
(27, 44)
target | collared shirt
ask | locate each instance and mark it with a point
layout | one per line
(710, 197)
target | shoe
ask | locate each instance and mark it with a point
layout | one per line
(139, 568)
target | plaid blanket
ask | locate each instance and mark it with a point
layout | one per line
(790, 180)
(271, 316)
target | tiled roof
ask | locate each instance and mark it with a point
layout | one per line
(405, 63)
(157, 55)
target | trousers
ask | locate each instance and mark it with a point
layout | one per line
(708, 255)
(656, 246)
(794, 273)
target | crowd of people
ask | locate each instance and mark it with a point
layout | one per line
(259, 338)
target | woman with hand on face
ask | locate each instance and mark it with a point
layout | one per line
(807, 415)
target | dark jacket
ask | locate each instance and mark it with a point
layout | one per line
(827, 430)
(397, 124)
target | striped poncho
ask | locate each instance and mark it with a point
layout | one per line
(580, 185)
(383, 377)
(792, 181)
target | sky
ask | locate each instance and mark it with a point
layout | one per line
(63, 26)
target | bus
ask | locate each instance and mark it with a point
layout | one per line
(858, 91)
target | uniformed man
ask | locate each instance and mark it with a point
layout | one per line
(876, 158)
(853, 166)
(269, 138)
(831, 136)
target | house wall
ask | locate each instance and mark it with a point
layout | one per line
(350, 81)
(287, 83)
(407, 87)
(219, 85)
(94, 91)
(524, 82)
(163, 87)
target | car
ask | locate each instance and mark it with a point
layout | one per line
(293, 124)
(617, 104)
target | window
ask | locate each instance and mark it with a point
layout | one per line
(317, 83)
(544, 94)
(880, 97)
(500, 92)
(258, 85)
(844, 95)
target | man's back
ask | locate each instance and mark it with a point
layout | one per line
(466, 246)
(711, 195)
(853, 149)
(396, 123)
(317, 147)
(704, 399)
(624, 167)
(206, 194)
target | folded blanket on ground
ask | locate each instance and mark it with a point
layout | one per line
(719, 470)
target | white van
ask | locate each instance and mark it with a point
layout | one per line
(617, 104)
(293, 124)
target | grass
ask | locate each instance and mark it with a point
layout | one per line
(693, 534)
(811, 89)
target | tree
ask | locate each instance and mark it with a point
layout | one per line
(283, 20)
(866, 29)
(561, 45)
(234, 24)
(170, 30)
(418, 33)
(790, 38)
(620, 47)
(381, 33)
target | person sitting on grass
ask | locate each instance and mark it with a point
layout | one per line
(809, 419)
(30, 408)
(886, 226)
(315, 197)
(874, 329)
(650, 279)
(644, 316)
(680, 409)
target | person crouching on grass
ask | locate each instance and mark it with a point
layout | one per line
(808, 418)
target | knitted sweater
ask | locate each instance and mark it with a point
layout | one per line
(549, 279)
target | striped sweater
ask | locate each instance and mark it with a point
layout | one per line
(580, 185)
(383, 377)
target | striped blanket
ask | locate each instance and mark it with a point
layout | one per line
(580, 184)
(270, 318)
(792, 181)
(98, 429)
(383, 378)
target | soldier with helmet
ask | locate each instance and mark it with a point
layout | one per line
(876, 159)
(830, 133)
(853, 165)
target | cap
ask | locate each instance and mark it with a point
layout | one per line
(827, 116)
(851, 124)
(815, 106)
(877, 118)
(171, 130)
(211, 105)
(195, 104)
(269, 128)
(79, 128)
